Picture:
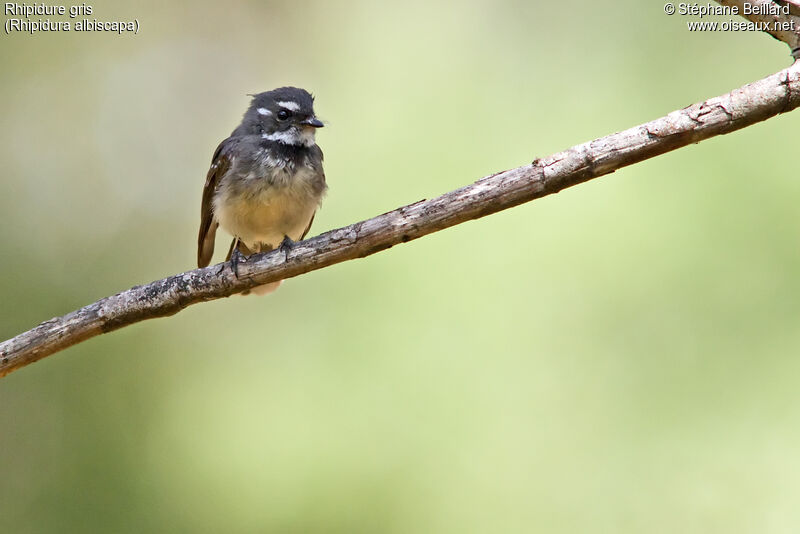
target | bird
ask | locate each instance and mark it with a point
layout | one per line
(266, 180)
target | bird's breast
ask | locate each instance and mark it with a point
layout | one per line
(261, 208)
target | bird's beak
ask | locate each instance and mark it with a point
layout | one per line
(313, 122)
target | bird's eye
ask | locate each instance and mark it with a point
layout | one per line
(284, 114)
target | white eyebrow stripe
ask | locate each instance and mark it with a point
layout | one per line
(264, 111)
(294, 106)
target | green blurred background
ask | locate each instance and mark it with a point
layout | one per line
(621, 357)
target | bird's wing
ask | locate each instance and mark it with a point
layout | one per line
(220, 164)
(308, 227)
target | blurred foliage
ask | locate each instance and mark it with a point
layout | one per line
(620, 357)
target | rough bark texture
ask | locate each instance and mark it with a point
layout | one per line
(742, 107)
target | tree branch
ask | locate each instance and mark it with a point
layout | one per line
(752, 103)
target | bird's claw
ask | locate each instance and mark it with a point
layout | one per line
(286, 246)
(236, 258)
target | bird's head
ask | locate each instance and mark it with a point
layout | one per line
(285, 115)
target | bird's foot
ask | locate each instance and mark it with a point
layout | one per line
(286, 246)
(236, 258)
